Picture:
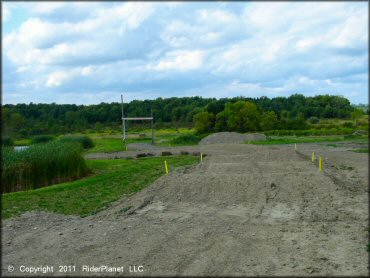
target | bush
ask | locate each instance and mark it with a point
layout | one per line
(204, 122)
(7, 141)
(187, 139)
(41, 165)
(85, 141)
(308, 132)
(348, 124)
(41, 139)
(313, 120)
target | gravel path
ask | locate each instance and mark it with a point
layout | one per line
(246, 210)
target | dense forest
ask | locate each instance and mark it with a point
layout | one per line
(22, 120)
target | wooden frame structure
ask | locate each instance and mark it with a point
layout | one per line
(124, 119)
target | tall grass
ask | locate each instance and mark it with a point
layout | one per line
(41, 165)
(6, 141)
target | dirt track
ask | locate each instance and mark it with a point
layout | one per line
(246, 210)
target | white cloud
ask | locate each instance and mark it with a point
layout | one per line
(41, 41)
(47, 7)
(57, 78)
(353, 31)
(87, 71)
(183, 48)
(180, 60)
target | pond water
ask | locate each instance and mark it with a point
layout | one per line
(19, 148)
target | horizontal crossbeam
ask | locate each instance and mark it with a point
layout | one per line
(136, 119)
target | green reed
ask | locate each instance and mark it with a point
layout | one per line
(41, 165)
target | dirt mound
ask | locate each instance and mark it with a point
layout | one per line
(231, 138)
(245, 210)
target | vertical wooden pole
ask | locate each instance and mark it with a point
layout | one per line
(123, 122)
(151, 114)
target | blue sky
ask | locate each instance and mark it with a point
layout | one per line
(91, 52)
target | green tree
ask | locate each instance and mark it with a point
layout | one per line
(268, 120)
(243, 116)
(204, 122)
(357, 114)
(221, 122)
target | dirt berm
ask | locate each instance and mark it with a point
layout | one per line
(245, 210)
(231, 138)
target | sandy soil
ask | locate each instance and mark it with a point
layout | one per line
(246, 210)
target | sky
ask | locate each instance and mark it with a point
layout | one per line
(92, 52)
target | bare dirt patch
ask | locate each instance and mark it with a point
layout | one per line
(245, 210)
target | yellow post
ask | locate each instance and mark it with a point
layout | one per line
(313, 156)
(295, 146)
(201, 156)
(166, 166)
(320, 164)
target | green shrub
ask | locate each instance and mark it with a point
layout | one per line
(348, 124)
(308, 132)
(7, 141)
(187, 139)
(85, 141)
(313, 120)
(41, 165)
(41, 139)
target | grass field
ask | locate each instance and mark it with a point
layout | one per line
(22, 142)
(163, 137)
(273, 140)
(111, 180)
(113, 144)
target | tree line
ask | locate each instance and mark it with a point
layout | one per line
(238, 113)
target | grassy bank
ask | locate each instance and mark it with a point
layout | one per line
(41, 165)
(272, 140)
(110, 181)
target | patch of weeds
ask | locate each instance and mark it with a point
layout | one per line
(184, 153)
(196, 153)
(166, 153)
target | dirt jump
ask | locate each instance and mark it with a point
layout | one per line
(245, 210)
